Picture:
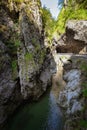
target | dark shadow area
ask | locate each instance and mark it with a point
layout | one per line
(67, 44)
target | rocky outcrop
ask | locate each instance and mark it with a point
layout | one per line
(25, 66)
(34, 72)
(75, 38)
(71, 99)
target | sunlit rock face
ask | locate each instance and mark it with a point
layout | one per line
(75, 38)
(25, 69)
(34, 71)
(70, 97)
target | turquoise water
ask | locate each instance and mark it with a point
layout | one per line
(41, 115)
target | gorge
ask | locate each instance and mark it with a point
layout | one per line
(29, 65)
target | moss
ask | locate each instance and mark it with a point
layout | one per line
(33, 41)
(37, 48)
(28, 56)
(83, 123)
(83, 67)
(14, 69)
(17, 43)
(42, 56)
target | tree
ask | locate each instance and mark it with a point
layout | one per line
(48, 22)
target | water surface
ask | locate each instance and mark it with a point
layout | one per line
(41, 115)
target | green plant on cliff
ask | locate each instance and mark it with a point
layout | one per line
(83, 67)
(83, 123)
(17, 43)
(28, 56)
(42, 56)
(14, 68)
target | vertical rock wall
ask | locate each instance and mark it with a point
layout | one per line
(25, 69)
(31, 54)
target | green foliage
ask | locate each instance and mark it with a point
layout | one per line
(28, 56)
(14, 65)
(14, 68)
(85, 92)
(17, 43)
(83, 123)
(48, 22)
(37, 47)
(42, 56)
(83, 67)
(84, 85)
(74, 10)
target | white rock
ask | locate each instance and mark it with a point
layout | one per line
(73, 95)
(73, 74)
(77, 106)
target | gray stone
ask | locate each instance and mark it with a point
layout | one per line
(79, 28)
(77, 106)
(69, 97)
(10, 96)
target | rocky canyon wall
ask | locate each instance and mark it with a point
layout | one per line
(25, 67)
(73, 61)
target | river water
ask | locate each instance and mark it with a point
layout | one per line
(41, 115)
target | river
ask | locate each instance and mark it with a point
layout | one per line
(41, 115)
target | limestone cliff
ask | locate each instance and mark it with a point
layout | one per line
(31, 54)
(25, 69)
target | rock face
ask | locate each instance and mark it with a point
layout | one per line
(75, 38)
(10, 96)
(34, 72)
(70, 98)
(68, 52)
(25, 67)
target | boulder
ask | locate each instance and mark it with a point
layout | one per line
(74, 40)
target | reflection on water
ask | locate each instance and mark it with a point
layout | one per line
(41, 115)
(54, 121)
